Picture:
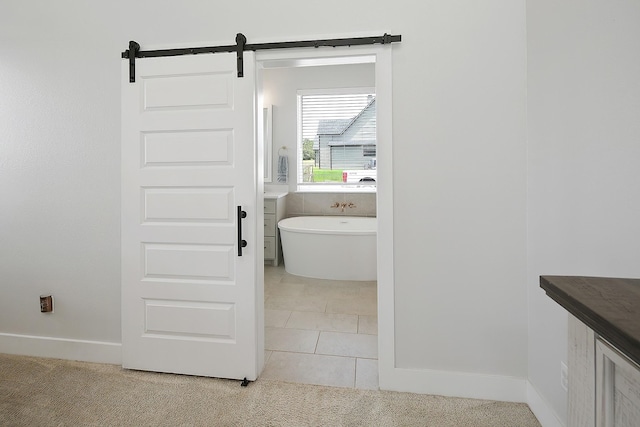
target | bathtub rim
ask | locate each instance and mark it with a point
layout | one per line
(329, 231)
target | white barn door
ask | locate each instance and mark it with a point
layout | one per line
(188, 162)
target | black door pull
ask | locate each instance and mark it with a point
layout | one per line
(241, 243)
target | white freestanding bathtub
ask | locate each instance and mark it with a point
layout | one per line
(330, 247)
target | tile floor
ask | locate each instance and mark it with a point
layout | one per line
(320, 331)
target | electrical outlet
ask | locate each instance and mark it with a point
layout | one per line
(46, 303)
(564, 376)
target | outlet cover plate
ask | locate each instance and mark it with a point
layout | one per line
(564, 376)
(46, 303)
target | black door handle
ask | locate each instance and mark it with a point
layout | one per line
(241, 243)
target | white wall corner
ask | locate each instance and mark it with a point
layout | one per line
(543, 412)
(455, 384)
(61, 348)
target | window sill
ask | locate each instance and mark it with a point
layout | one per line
(336, 188)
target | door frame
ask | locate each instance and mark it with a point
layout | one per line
(381, 56)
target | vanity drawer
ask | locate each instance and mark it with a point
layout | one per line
(270, 206)
(269, 247)
(270, 225)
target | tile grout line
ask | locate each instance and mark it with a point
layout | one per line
(355, 372)
(317, 341)
(288, 318)
(321, 355)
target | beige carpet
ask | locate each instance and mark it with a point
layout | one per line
(51, 392)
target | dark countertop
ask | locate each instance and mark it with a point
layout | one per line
(609, 306)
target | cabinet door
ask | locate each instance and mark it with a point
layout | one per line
(617, 388)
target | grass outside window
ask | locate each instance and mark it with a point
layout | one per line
(327, 175)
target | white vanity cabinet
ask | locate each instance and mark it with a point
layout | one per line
(617, 388)
(274, 211)
(604, 384)
(604, 348)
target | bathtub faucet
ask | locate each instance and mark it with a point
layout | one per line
(342, 205)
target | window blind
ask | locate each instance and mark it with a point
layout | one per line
(338, 132)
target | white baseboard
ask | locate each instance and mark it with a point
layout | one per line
(457, 384)
(61, 348)
(543, 412)
(473, 386)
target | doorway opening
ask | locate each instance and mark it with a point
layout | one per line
(210, 136)
(334, 331)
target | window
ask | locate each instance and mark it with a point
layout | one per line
(337, 140)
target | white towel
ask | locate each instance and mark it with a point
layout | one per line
(283, 169)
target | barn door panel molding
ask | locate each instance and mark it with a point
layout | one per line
(241, 45)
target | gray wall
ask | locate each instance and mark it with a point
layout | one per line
(583, 161)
